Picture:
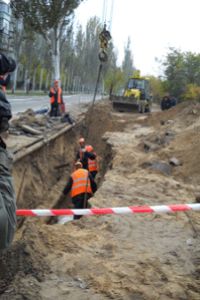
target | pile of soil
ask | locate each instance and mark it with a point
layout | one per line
(114, 257)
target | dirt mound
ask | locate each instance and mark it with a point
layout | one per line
(22, 261)
(113, 257)
(184, 112)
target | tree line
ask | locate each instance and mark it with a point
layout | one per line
(48, 46)
(182, 71)
(181, 76)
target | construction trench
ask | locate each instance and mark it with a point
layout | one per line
(119, 256)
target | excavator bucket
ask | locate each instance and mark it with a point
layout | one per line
(124, 104)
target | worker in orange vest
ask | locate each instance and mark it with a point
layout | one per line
(81, 185)
(56, 99)
(93, 167)
(83, 154)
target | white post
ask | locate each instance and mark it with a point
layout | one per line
(47, 82)
(56, 54)
(41, 78)
(34, 78)
(15, 79)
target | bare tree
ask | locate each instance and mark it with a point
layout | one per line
(127, 65)
(49, 18)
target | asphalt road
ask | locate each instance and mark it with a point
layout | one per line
(22, 103)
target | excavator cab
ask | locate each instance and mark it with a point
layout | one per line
(138, 89)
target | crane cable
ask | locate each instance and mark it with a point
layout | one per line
(104, 38)
(105, 35)
(105, 13)
(111, 15)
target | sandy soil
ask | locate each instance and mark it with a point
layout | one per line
(113, 257)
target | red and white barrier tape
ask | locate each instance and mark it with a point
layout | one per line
(108, 211)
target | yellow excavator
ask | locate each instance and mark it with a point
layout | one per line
(136, 97)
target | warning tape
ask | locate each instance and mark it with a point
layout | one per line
(107, 211)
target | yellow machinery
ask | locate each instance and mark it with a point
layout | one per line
(136, 96)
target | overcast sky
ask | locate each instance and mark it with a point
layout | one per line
(153, 26)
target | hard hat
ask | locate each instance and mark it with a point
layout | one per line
(89, 148)
(78, 164)
(81, 140)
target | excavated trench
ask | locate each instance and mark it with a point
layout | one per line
(111, 257)
(39, 179)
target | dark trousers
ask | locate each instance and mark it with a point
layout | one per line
(80, 202)
(93, 173)
(55, 110)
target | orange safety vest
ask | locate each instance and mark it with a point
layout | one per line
(93, 165)
(81, 183)
(52, 99)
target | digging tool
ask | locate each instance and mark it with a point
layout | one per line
(21, 185)
(85, 196)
